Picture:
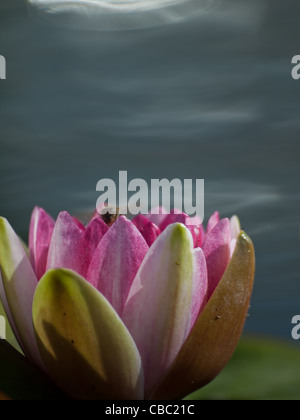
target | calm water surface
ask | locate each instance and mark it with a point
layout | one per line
(211, 97)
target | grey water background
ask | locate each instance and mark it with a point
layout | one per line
(211, 97)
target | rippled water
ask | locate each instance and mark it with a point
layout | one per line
(208, 97)
(117, 14)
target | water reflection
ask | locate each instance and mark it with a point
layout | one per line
(117, 14)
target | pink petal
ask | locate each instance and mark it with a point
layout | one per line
(140, 221)
(157, 312)
(94, 232)
(195, 224)
(40, 233)
(178, 217)
(200, 286)
(216, 249)
(116, 262)
(157, 215)
(68, 247)
(150, 232)
(201, 236)
(213, 221)
(195, 234)
(173, 218)
(194, 221)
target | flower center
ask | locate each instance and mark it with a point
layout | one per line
(111, 215)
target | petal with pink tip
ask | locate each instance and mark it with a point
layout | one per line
(216, 249)
(19, 284)
(157, 312)
(212, 221)
(150, 232)
(68, 247)
(116, 262)
(40, 233)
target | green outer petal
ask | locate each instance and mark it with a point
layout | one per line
(217, 331)
(19, 281)
(84, 344)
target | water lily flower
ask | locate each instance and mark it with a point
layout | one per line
(144, 309)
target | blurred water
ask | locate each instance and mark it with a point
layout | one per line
(210, 97)
(117, 14)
